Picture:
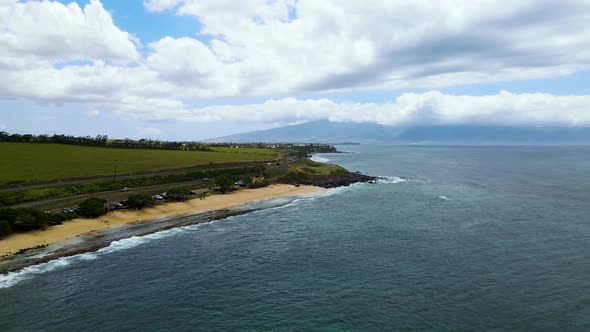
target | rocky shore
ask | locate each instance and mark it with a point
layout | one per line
(339, 181)
(96, 240)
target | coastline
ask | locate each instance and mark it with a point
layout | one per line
(24, 249)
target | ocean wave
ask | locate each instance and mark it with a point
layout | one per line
(319, 159)
(444, 198)
(390, 180)
(354, 186)
(286, 202)
(344, 189)
(13, 278)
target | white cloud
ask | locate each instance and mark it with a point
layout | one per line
(56, 53)
(149, 131)
(160, 5)
(93, 113)
(52, 32)
(3, 126)
(429, 108)
(341, 44)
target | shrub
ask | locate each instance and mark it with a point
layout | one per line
(92, 207)
(29, 219)
(8, 215)
(139, 201)
(177, 193)
(5, 228)
(258, 184)
(225, 182)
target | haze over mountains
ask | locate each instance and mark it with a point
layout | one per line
(340, 132)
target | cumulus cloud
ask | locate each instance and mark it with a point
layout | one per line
(54, 32)
(285, 46)
(52, 52)
(431, 108)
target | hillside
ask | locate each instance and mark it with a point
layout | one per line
(333, 132)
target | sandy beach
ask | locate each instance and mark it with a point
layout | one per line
(75, 227)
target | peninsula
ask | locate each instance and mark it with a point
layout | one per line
(49, 215)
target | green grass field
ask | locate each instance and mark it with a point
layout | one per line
(29, 162)
(314, 168)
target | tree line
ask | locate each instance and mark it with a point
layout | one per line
(103, 141)
(146, 143)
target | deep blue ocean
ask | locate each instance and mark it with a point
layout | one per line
(475, 239)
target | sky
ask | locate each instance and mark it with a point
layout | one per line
(198, 69)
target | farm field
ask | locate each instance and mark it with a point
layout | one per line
(30, 162)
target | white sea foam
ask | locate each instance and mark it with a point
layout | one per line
(444, 198)
(390, 180)
(319, 159)
(354, 186)
(13, 278)
(344, 189)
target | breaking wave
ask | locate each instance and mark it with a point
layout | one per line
(319, 159)
(12, 278)
(390, 179)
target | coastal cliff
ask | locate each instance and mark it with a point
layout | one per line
(308, 172)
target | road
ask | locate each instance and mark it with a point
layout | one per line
(102, 193)
(119, 177)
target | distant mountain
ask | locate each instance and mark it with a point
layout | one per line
(318, 131)
(335, 132)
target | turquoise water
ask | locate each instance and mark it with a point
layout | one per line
(478, 238)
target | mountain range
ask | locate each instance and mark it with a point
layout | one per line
(339, 132)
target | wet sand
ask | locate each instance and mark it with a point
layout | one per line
(76, 227)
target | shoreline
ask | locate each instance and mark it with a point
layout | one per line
(83, 235)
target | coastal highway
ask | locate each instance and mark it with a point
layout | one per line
(102, 193)
(119, 177)
(72, 182)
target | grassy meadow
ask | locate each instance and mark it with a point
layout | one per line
(30, 162)
(309, 167)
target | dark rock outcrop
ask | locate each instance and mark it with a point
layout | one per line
(339, 181)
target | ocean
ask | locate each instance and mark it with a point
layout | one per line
(452, 239)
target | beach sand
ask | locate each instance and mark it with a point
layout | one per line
(75, 227)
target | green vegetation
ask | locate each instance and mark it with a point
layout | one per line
(30, 162)
(225, 182)
(139, 201)
(308, 170)
(103, 141)
(213, 164)
(5, 228)
(314, 168)
(178, 193)
(260, 184)
(23, 220)
(17, 197)
(92, 207)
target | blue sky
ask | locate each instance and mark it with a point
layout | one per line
(183, 69)
(131, 16)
